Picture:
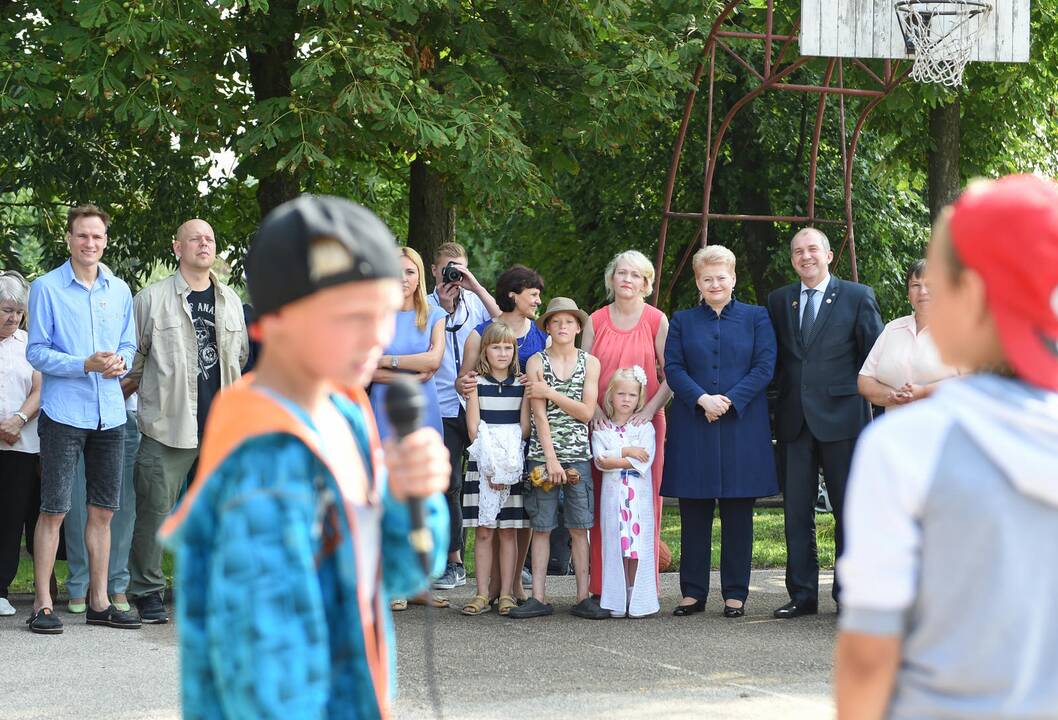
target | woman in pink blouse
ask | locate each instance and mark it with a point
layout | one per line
(622, 334)
(903, 366)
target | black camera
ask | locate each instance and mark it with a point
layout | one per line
(451, 274)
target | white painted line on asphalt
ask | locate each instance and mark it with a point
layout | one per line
(818, 704)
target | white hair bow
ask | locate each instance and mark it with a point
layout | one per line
(639, 375)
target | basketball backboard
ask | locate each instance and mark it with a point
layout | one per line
(870, 29)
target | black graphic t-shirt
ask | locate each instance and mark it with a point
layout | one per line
(203, 316)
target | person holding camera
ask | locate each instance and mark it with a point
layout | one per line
(467, 304)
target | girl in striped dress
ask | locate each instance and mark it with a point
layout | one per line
(498, 423)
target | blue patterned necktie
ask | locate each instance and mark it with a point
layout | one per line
(808, 319)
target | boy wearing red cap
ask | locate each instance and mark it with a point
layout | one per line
(294, 532)
(951, 562)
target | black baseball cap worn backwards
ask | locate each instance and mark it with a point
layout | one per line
(315, 242)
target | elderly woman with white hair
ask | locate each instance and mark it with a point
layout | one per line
(719, 359)
(622, 334)
(19, 446)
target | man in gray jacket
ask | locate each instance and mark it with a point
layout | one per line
(192, 342)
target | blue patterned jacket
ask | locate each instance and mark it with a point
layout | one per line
(267, 575)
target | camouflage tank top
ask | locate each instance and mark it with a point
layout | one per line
(569, 436)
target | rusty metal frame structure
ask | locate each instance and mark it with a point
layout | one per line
(775, 74)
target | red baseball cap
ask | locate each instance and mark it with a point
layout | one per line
(1007, 231)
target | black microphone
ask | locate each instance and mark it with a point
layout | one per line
(405, 405)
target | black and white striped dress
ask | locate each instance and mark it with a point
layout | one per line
(500, 404)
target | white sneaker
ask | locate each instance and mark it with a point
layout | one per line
(6, 608)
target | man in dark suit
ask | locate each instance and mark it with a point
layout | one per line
(825, 327)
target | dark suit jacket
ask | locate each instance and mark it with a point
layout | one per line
(817, 379)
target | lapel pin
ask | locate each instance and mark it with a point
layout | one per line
(794, 303)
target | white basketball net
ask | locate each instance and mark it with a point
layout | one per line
(942, 34)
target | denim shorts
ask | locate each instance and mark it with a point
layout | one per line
(60, 447)
(578, 501)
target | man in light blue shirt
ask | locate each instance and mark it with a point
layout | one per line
(468, 304)
(82, 339)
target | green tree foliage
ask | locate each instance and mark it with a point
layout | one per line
(551, 123)
(305, 93)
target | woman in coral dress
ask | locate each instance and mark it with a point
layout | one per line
(625, 333)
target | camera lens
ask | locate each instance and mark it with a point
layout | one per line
(451, 274)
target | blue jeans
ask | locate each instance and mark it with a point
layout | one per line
(121, 524)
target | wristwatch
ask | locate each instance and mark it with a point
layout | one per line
(23, 417)
(394, 361)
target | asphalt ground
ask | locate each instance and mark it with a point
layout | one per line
(486, 667)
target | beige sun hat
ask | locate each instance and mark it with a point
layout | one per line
(560, 305)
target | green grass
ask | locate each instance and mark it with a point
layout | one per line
(769, 546)
(24, 578)
(769, 543)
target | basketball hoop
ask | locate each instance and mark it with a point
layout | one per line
(942, 35)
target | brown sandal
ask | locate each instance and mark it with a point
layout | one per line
(505, 604)
(434, 601)
(478, 605)
(398, 605)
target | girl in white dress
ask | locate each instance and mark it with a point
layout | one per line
(624, 453)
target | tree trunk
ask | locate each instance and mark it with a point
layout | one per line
(431, 221)
(760, 239)
(945, 180)
(270, 55)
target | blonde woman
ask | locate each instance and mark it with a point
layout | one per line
(417, 347)
(623, 333)
(719, 359)
(19, 445)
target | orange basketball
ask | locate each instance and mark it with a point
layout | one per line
(664, 556)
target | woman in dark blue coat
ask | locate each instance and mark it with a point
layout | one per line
(719, 359)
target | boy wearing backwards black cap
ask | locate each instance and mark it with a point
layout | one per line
(294, 532)
(951, 563)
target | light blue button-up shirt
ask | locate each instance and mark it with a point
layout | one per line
(468, 314)
(68, 322)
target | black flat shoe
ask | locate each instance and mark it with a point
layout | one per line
(44, 622)
(531, 609)
(735, 612)
(696, 607)
(112, 617)
(794, 609)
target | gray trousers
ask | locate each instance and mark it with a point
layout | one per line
(120, 525)
(160, 473)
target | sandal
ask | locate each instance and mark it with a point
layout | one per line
(506, 604)
(398, 605)
(434, 601)
(478, 605)
(43, 621)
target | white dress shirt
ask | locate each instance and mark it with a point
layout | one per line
(16, 382)
(817, 299)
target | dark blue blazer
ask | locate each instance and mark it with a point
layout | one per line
(817, 379)
(732, 354)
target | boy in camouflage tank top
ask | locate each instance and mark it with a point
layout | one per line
(562, 388)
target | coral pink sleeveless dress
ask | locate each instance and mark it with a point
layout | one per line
(618, 349)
